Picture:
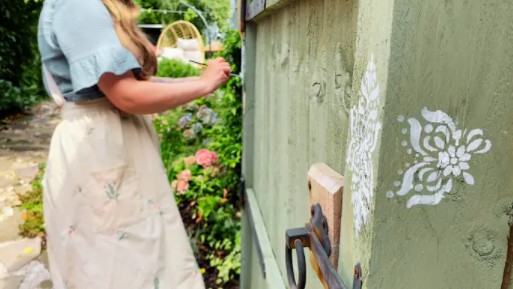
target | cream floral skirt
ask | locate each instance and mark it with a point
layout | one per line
(110, 216)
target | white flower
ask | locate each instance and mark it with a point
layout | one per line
(442, 153)
(454, 161)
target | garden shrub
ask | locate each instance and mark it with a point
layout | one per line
(32, 207)
(176, 69)
(20, 64)
(201, 147)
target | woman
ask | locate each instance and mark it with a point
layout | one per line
(111, 219)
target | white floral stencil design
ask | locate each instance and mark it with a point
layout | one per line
(364, 128)
(442, 154)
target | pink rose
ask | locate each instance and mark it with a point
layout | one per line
(185, 175)
(182, 186)
(189, 161)
(206, 158)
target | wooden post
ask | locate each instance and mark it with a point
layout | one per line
(325, 188)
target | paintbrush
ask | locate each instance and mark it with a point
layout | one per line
(204, 64)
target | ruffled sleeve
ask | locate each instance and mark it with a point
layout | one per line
(86, 35)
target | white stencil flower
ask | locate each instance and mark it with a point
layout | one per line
(364, 129)
(442, 153)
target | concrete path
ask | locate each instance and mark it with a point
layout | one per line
(24, 144)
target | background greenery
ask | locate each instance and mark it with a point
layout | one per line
(20, 69)
(215, 11)
(210, 206)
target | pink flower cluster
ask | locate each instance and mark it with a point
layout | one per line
(206, 158)
(181, 184)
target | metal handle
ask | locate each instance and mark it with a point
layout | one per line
(301, 265)
(315, 237)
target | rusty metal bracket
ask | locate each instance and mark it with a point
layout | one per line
(315, 237)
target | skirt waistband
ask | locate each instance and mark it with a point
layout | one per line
(75, 109)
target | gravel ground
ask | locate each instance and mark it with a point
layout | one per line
(24, 143)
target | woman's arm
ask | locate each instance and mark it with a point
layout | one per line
(147, 97)
(174, 80)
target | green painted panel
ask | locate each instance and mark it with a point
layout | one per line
(424, 75)
(258, 253)
(455, 57)
(249, 56)
(302, 85)
(369, 84)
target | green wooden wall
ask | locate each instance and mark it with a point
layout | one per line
(413, 102)
(455, 57)
(299, 67)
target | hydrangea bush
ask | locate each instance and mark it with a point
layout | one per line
(201, 146)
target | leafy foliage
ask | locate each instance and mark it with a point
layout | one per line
(157, 17)
(207, 194)
(229, 140)
(16, 98)
(229, 264)
(214, 11)
(20, 69)
(232, 53)
(176, 69)
(32, 204)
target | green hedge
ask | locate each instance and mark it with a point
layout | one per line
(176, 69)
(207, 195)
(20, 68)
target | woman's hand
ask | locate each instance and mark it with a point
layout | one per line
(216, 74)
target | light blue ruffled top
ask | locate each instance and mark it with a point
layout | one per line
(78, 43)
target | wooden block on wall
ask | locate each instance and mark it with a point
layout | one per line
(326, 188)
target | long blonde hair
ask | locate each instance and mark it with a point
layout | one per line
(124, 14)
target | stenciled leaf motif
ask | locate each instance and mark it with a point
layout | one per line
(111, 190)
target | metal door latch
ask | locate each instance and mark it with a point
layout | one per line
(315, 237)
